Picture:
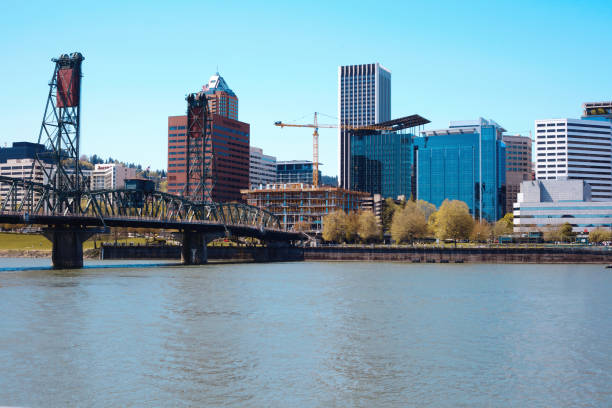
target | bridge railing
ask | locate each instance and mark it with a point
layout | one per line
(32, 218)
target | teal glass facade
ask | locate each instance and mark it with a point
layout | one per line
(467, 166)
(381, 163)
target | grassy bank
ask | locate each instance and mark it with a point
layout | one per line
(36, 242)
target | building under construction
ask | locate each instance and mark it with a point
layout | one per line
(302, 206)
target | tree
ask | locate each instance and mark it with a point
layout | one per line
(508, 221)
(426, 207)
(501, 228)
(301, 226)
(389, 207)
(409, 223)
(368, 229)
(351, 227)
(599, 235)
(453, 221)
(333, 226)
(481, 232)
(552, 234)
(567, 232)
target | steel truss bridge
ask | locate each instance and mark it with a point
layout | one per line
(70, 212)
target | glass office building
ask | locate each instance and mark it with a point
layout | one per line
(364, 98)
(464, 162)
(382, 161)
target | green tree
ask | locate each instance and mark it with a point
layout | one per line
(351, 227)
(334, 226)
(552, 233)
(426, 208)
(508, 220)
(481, 232)
(369, 230)
(567, 232)
(599, 235)
(389, 208)
(409, 223)
(452, 221)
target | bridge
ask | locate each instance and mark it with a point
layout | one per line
(69, 212)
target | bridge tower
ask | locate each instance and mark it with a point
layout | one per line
(60, 133)
(200, 159)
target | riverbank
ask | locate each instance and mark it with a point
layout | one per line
(91, 253)
(528, 255)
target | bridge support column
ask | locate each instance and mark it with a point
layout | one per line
(67, 246)
(194, 251)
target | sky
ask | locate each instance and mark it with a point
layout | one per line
(510, 61)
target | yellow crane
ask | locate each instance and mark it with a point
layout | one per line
(315, 139)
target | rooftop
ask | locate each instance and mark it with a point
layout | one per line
(217, 83)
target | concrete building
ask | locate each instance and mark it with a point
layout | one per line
(543, 204)
(25, 169)
(24, 150)
(295, 171)
(375, 204)
(110, 176)
(303, 203)
(518, 166)
(262, 168)
(364, 98)
(576, 149)
(464, 162)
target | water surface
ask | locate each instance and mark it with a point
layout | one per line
(306, 334)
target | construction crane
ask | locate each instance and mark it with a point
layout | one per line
(315, 139)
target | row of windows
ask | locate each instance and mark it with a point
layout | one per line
(176, 127)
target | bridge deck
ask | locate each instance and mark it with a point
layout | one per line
(81, 221)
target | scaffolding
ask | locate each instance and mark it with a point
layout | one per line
(302, 206)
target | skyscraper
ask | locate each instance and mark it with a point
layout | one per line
(464, 162)
(221, 99)
(578, 149)
(364, 98)
(229, 162)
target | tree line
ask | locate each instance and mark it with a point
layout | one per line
(411, 221)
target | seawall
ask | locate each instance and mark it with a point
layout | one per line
(460, 255)
(229, 253)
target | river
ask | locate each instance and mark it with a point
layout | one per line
(308, 334)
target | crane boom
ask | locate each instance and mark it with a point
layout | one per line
(315, 139)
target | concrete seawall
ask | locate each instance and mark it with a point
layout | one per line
(458, 255)
(366, 253)
(230, 253)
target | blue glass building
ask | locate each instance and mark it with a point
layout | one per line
(382, 161)
(464, 162)
(295, 171)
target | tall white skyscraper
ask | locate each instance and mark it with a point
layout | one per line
(364, 98)
(576, 149)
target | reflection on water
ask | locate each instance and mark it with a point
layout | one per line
(306, 334)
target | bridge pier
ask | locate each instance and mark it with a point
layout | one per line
(67, 243)
(194, 250)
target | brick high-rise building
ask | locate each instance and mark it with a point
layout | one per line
(230, 166)
(230, 140)
(518, 166)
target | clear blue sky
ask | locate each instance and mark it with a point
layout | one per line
(511, 61)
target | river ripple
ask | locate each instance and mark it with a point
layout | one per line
(306, 335)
